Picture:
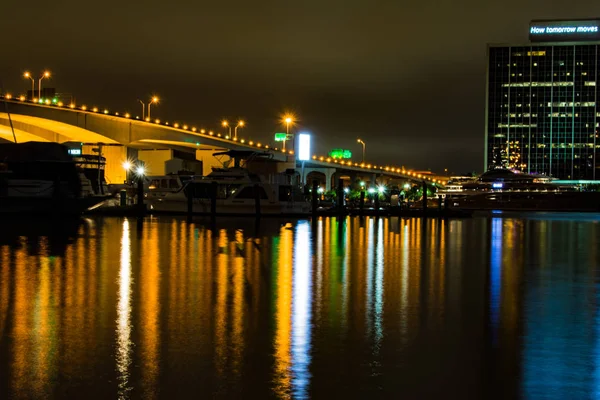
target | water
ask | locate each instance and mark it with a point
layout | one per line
(503, 307)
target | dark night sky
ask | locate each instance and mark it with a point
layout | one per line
(407, 77)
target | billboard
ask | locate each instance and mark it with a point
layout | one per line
(303, 147)
(564, 31)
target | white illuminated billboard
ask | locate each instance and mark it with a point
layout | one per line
(303, 147)
(560, 31)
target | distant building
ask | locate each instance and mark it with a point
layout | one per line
(542, 113)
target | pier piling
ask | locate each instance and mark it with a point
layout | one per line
(257, 200)
(315, 187)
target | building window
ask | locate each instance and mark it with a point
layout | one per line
(536, 53)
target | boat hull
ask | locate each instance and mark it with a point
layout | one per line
(46, 206)
(530, 201)
(230, 208)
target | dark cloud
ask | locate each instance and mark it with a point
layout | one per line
(409, 78)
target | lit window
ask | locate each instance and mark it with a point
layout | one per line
(590, 83)
(536, 53)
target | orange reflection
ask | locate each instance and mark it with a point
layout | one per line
(283, 313)
(44, 336)
(24, 290)
(221, 306)
(150, 309)
(4, 287)
(238, 304)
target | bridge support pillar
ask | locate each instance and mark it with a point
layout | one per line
(328, 172)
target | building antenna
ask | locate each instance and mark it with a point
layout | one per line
(12, 128)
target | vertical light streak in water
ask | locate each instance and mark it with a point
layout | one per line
(283, 314)
(378, 312)
(21, 329)
(4, 288)
(221, 352)
(404, 289)
(346, 263)
(495, 275)
(370, 257)
(301, 311)
(238, 305)
(43, 333)
(319, 275)
(150, 310)
(124, 315)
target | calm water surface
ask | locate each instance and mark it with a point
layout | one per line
(504, 307)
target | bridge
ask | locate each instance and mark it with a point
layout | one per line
(157, 142)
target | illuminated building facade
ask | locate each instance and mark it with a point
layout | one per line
(542, 113)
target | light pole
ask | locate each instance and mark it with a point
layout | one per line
(28, 75)
(46, 74)
(143, 109)
(289, 120)
(153, 100)
(225, 124)
(364, 146)
(240, 124)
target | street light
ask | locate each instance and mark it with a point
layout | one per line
(143, 109)
(46, 74)
(225, 124)
(364, 146)
(153, 100)
(289, 120)
(240, 124)
(28, 75)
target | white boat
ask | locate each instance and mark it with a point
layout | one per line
(159, 186)
(235, 192)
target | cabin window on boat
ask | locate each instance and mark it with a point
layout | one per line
(226, 191)
(248, 193)
(199, 190)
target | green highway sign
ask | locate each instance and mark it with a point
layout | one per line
(280, 137)
(340, 153)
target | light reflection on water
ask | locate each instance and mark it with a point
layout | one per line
(502, 307)
(123, 356)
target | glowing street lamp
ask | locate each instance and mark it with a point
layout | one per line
(225, 124)
(153, 100)
(288, 119)
(140, 171)
(364, 147)
(28, 75)
(46, 74)
(240, 124)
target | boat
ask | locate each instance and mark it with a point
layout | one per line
(43, 178)
(159, 186)
(507, 190)
(234, 191)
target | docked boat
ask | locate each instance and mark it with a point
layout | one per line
(234, 191)
(503, 189)
(43, 178)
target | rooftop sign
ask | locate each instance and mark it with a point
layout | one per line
(564, 31)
